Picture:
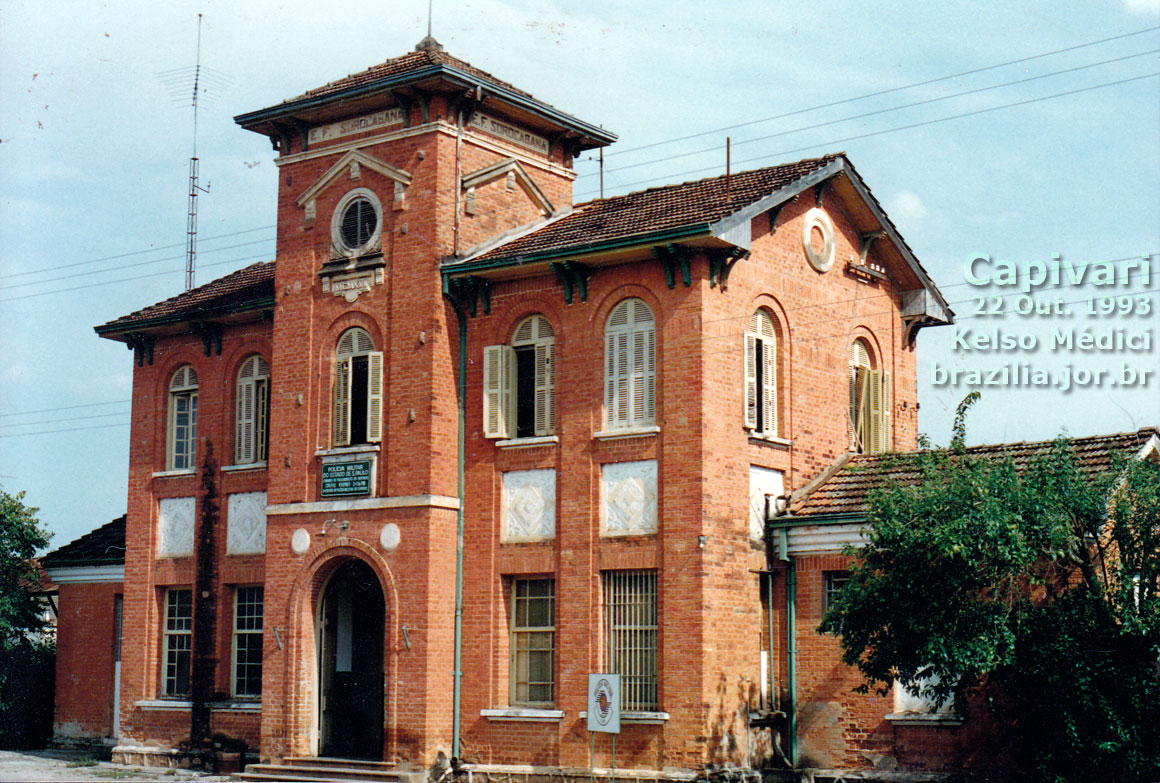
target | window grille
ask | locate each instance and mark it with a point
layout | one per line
(630, 635)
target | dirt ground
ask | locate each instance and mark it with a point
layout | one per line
(65, 765)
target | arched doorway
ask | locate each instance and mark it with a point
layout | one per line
(350, 664)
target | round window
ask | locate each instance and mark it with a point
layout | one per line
(360, 222)
(818, 239)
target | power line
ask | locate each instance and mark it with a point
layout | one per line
(129, 266)
(71, 418)
(55, 267)
(126, 279)
(65, 429)
(883, 132)
(882, 92)
(65, 408)
(850, 118)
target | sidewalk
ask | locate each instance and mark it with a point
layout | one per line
(66, 765)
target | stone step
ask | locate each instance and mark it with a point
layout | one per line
(301, 770)
(334, 761)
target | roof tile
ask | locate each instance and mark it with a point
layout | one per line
(848, 490)
(103, 546)
(253, 282)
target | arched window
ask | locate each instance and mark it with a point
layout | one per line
(519, 381)
(358, 389)
(630, 366)
(182, 422)
(869, 424)
(761, 374)
(252, 411)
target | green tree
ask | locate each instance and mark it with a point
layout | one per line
(21, 535)
(1033, 585)
(26, 659)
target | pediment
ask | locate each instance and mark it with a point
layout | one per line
(350, 165)
(514, 168)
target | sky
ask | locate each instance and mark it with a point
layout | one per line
(1055, 152)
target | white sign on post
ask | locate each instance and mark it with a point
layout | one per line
(604, 703)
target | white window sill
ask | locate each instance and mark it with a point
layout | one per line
(524, 714)
(924, 719)
(527, 443)
(248, 466)
(633, 716)
(164, 704)
(362, 448)
(236, 706)
(174, 473)
(758, 437)
(627, 432)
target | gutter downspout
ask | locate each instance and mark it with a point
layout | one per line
(461, 395)
(790, 644)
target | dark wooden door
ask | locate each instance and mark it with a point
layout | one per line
(351, 664)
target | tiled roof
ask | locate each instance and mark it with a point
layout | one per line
(103, 546)
(849, 489)
(237, 288)
(657, 209)
(399, 66)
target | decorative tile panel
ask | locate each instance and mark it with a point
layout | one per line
(175, 527)
(628, 492)
(762, 482)
(529, 505)
(246, 534)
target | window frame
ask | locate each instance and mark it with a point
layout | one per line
(182, 391)
(761, 376)
(504, 386)
(252, 411)
(830, 588)
(639, 685)
(247, 635)
(871, 400)
(630, 365)
(520, 669)
(337, 239)
(177, 642)
(353, 345)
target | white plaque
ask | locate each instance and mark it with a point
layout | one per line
(604, 703)
(390, 536)
(509, 132)
(380, 119)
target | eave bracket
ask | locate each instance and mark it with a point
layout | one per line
(142, 347)
(574, 276)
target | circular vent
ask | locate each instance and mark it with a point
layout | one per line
(360, 220)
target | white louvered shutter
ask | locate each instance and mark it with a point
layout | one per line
(545, 381)
(261, 418)
(886, 427)
(650, 378)
(874, 412)
(374, 396)
(244, 422)
(342, 377)
(769, 386)
(498, 365)
(751, 380)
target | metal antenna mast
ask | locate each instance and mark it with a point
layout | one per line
(191, 221)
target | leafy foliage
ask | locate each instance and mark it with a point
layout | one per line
(20, 537)
(1034, 584)
(26, 660)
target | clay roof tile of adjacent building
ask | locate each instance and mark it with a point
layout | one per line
(848, 490)
(238, 290)
(103, 546)
(702, 201)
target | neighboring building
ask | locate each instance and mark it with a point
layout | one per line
(453, 376)
(89, 574)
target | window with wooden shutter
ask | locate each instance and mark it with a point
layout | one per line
(871, 399)
(761, 374)
(497, 390)
(630, 366)
(181, 448)
(358, 390)
(251, 411)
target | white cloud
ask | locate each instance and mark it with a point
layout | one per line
(906, 208)
(1151, 7)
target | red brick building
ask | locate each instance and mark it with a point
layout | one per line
(463, 425)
